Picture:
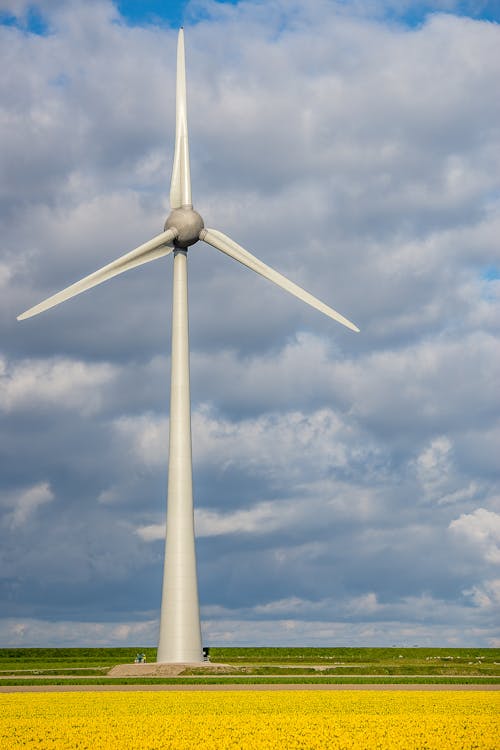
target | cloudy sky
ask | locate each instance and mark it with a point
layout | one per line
(346, 485)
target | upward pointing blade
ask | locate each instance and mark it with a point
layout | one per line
(155, 248)
(229, 247)
(180, 186)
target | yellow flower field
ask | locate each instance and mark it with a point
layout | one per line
(250, 719)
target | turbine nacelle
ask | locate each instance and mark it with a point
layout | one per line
(188, 225)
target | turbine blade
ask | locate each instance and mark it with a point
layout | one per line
(229, 247)
(155, 248)
(180, 186)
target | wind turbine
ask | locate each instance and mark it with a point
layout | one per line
(180, 632)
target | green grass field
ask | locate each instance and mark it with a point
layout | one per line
(421, 665)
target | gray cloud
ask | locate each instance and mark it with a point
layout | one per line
(346, 486)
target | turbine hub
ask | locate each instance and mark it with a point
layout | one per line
(188, 224)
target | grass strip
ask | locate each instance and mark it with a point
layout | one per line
(254, 681)
(91, 672)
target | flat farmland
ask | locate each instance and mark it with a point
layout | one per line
(257, 665)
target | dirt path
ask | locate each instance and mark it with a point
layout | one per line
(229, 687)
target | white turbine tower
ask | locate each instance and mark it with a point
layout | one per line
(180, 632)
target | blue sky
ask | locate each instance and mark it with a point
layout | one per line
(133, 12)
(411, 13)
(175, 13)
(346, 486)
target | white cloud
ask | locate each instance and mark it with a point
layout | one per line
(435, 383)
(297, 632)
(5, 274)
(263, 518)
(437, 474)
(439, 382)
(147, 436)
(316, 505)
(60, 383)
(272, 444)
(23, 632)
(229, 631)
(109, 496)
(364, 604)
(280, 446)
(485, 595)
(358, 606)
(152, 532)
(25, 503)
(481, 530)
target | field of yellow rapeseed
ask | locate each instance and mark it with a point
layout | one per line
(250, 719)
